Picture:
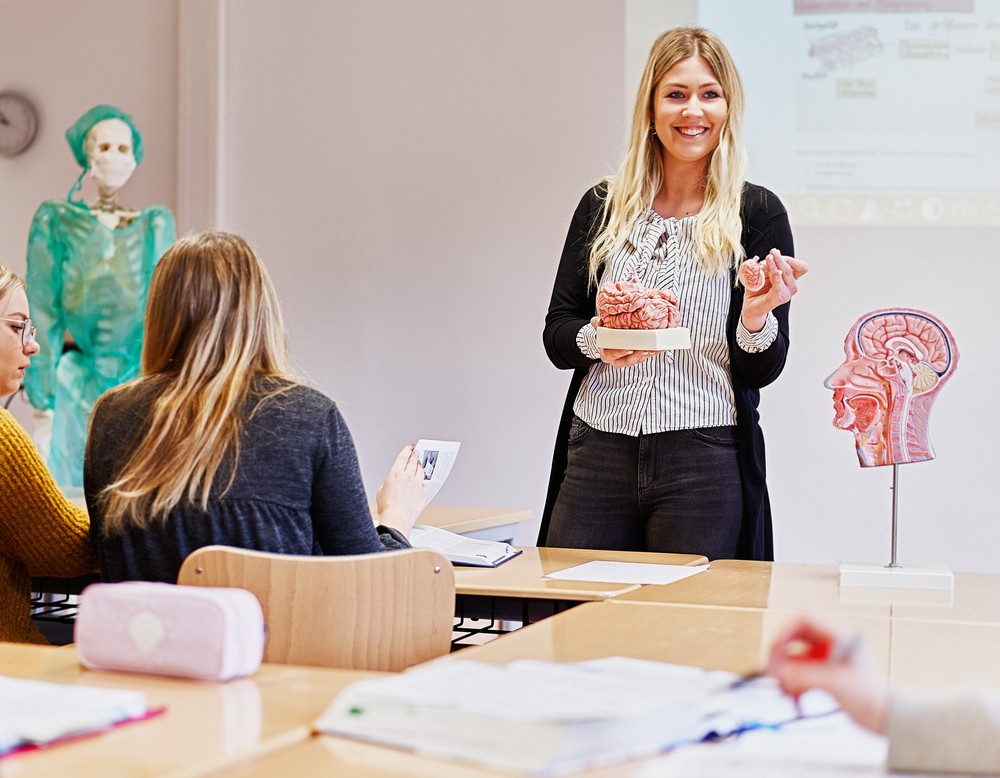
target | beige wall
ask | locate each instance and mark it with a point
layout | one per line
(408, 169)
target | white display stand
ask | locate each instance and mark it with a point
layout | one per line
(893, 575)
(644, 340)
(898, 577)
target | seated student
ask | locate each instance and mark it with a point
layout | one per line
(951, 732)
(41, 532)
(216, 442)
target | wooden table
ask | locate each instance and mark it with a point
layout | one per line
(518, 590)
(919, 653)
(323, 757)
(816, 588)
(205, 724)
(483, 523)
(332, 757)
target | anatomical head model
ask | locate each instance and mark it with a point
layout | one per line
(896, 360)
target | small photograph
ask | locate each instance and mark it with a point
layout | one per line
(428, 462)
(436, 458)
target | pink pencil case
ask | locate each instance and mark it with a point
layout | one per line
(206, 633)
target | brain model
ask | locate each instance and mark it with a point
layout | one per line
(627, 305)
(752, 275)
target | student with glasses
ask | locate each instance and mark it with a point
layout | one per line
(217, 442)
(41, 532)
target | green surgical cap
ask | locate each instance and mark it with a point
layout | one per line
(76, 135)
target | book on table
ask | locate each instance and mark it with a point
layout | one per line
(38, 713)
(460, 549)
(549, 718)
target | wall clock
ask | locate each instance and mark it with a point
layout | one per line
(18, 123)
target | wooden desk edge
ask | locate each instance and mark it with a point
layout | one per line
(500, 518)
(292, 737)
(526, 593)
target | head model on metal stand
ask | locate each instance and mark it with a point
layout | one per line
(896, 361)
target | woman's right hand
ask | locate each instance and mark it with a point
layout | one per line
(851, 678)
(403, 495)
(617, 357)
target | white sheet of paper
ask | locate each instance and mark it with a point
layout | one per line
(627, 572)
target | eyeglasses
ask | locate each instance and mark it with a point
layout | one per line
(27, 330)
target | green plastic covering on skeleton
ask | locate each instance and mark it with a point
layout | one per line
(90, 281)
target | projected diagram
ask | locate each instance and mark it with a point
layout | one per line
(878, 111)
(843, 49)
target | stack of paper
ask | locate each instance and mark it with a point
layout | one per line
(35, 713)
(547, 718)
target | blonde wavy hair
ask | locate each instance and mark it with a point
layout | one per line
(630, 191)
(213, 325)
(9, 281)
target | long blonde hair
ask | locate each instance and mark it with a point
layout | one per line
(213, 325)
(630, 191)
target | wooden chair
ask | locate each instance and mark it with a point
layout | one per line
(384, 611)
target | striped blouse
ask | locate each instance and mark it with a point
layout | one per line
(679, 389)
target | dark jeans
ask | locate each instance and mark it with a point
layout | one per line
(674, 491)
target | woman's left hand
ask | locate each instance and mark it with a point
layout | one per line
(617, 357)
(782, 274)
(403, 495)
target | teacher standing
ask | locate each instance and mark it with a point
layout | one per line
(662, 451)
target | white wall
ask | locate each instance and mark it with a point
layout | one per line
(408, 169)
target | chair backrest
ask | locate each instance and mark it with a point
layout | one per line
(383, 611)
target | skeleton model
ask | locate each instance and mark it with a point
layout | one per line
(89, 268)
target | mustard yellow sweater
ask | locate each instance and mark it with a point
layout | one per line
(41, 532)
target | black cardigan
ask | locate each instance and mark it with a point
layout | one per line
(765, 226)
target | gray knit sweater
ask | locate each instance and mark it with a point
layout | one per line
(297, 488)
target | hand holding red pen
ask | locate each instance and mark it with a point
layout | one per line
(810, 654)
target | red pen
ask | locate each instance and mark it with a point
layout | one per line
(822, 651)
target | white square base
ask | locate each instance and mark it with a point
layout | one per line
(644, 340)
(902, 577)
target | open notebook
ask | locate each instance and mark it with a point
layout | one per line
(460, 549)
(38, 713)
